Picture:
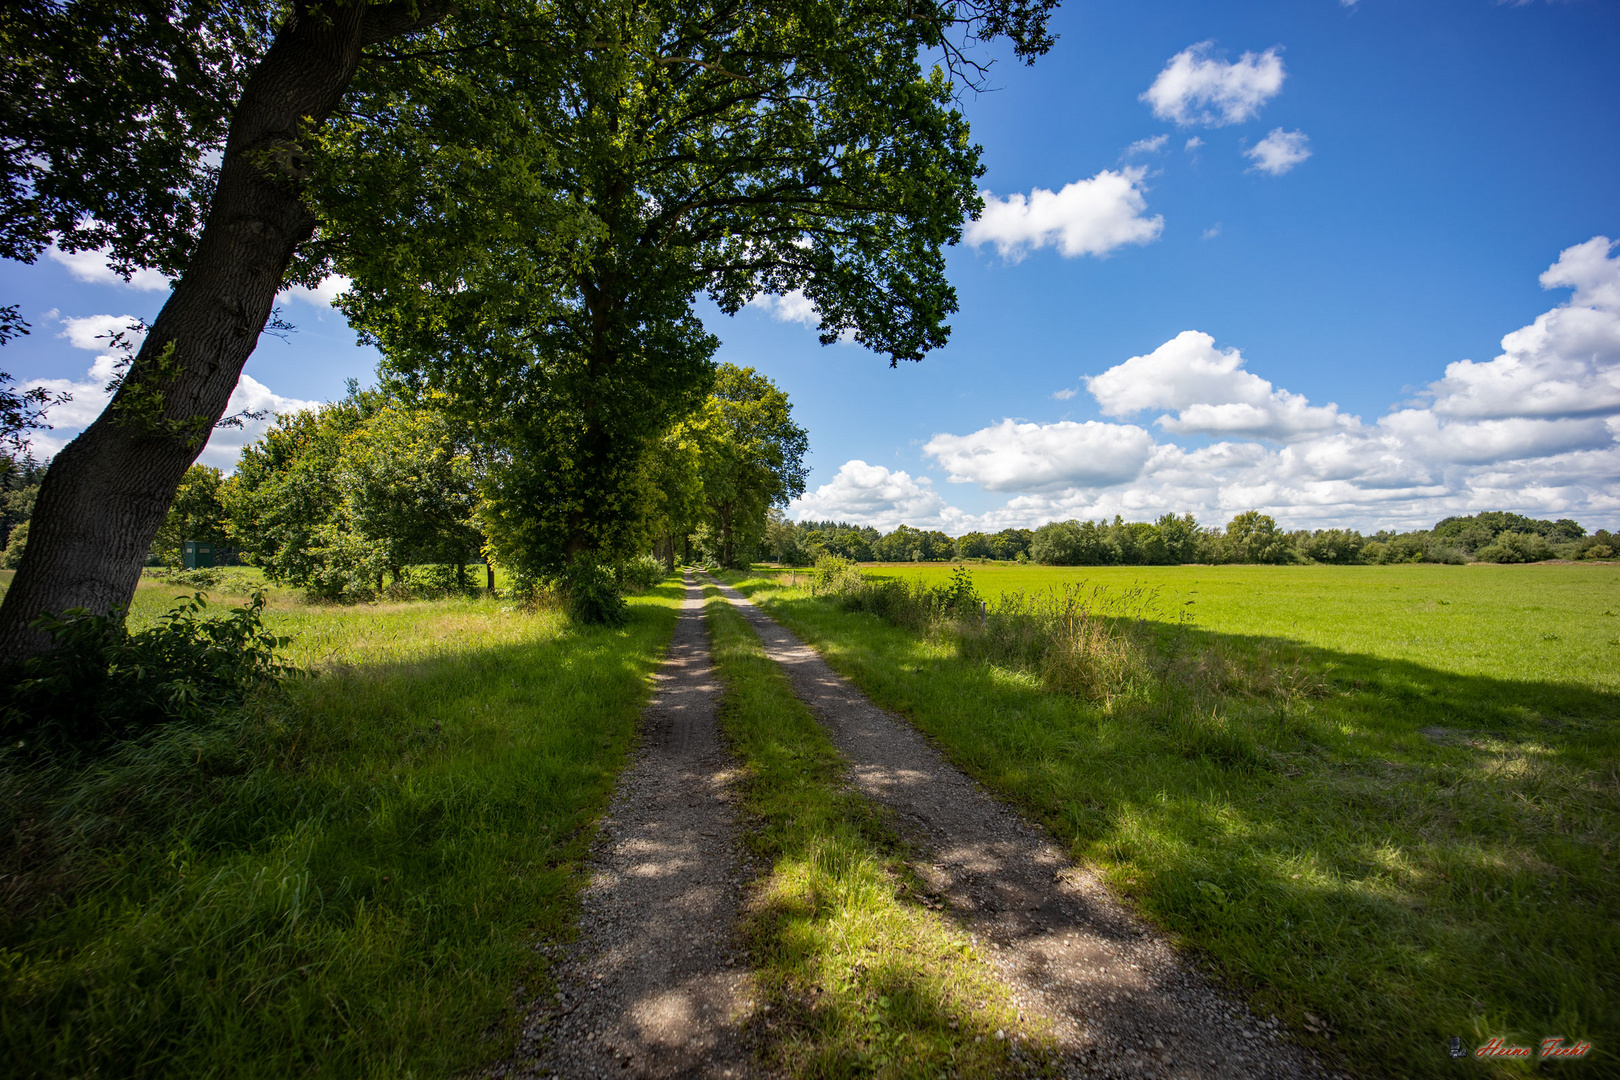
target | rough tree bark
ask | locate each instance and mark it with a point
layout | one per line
(107, 492)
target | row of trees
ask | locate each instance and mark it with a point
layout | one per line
(802, 543)
(344, 499)
(1250, 537)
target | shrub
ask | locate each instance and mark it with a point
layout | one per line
(1516, 547)
(835, 574)
(207, 577)
(11, 557)
(1087, 643)
(642, 572)
(100, 682)
(593, 594)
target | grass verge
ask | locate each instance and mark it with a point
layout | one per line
(1412, 855)
(346, 880)
(862, 978)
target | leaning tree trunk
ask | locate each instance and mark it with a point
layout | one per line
(107, 492)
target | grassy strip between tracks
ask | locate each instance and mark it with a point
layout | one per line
(863, 979)
(1406, 855)
(345, 880)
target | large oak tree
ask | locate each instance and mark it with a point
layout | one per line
(674, 148)
(198, 137)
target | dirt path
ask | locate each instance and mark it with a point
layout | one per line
(656, 984)
(1119, 1000)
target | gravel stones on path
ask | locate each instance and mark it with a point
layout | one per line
(1119, 1001)
(657, 985)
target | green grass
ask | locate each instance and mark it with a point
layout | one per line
(1548, 622)
(345, 882)
(862, 977)
(1424, 850)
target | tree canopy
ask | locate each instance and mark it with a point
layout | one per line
(333, 499)
(528, 197)
(546, 276)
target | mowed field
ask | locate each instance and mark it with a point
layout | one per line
(1383, 802)
(1549, 621)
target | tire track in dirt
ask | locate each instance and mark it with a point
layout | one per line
(1119, 1000)
(656, 984)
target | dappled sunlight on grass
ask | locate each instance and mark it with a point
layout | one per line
(1410, 852)
(862, 977)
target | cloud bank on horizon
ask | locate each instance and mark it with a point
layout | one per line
(1534, 430)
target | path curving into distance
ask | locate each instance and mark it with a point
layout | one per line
(1120, 1001)
(656, 984)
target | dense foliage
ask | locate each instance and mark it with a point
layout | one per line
(559, 233)
(1250, 537)
(334, 499)
(20, 475)
(102, 682)
(197, 513)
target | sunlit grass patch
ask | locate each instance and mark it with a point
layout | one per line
(1545, 622)
(347, 879)
(862, 977)
(1406, 852)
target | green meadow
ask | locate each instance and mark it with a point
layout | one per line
(349, 878)
(1555, 621)
(1401, 825)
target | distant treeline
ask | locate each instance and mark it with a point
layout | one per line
(1252, 537)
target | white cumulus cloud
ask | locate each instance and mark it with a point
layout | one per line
(1010, 456)
(91, 267)
(794, 307)
(1536, 431)
(1147, 146)
(95, 332)
(1210, 391)
(1195, 88)
(88, 397)
(1279, 151)
(225, 445)
(1565, 364)
(1087, 217)
(863, 494)
(324, 294)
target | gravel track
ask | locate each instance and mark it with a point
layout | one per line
(656, 984)
(1118, 998)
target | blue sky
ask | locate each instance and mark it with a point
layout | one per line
(1345, 263)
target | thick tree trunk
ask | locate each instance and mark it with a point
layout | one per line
(107, 492)
(725, 537)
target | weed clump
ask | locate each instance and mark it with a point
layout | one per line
(99, 682)
(1086, 642)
